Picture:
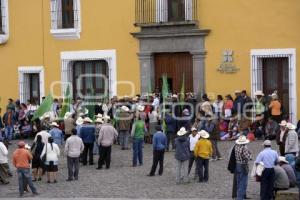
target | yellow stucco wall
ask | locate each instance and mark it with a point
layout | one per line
(240, 25)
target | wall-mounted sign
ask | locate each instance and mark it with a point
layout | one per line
(227, 65)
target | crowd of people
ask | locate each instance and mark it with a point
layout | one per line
(190, 128)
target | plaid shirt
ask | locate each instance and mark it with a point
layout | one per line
(242, 154)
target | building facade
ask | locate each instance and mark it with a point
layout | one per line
(216, 47)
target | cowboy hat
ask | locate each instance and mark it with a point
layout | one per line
(204, 134)
(181, 132)
(106, 117)
(282, 159)
(174, 96)
(141, 108)
(267, 143)
(125, 108)
(79, 121)
(27, 147)
(242, 140)
(274, 95)
(67, 115)
(237, 92)
(54, 124)
(99, 120)
(283, 123)
(290, 126)
(259, 93)
(87, 120)
(99, 116)
(193, 129)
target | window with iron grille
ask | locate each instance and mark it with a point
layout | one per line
(65, 19)
(4, 28)
(90, 77)
(1, 31)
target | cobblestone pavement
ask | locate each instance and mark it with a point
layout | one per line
(124, 181)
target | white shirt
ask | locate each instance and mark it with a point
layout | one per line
(74, 146)
(155, 103)
(193, 141)
(153, 116)
(3, 153)
(52, 154)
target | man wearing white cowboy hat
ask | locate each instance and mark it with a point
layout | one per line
(56, 134)
(284, 164)
(242, 156)
(69, 123)
(203, 151)
(193, 137)
(107, 135)
(259, 103)
(87, 134)
(268, 157)
(124, 125)
(291, 144)
(281, 137)
(182, 155)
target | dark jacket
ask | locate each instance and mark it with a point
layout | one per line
(124, 121)
(13, 119)
(213, 129)
(182, 148)
(171, 124)
(232, 161)
(87, 133)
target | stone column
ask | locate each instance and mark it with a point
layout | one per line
(199, 72)
(146, 71)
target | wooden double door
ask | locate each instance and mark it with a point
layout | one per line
(175, 66)
(276, 78)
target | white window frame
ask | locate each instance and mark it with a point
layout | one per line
(23, 70)
(65, 33)
(5, 22)
(68, 57)
(162, 10)
(256, 74)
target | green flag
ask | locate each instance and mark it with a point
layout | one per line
(66, 104)
(164, 92)
(45, 106)
(181, 98)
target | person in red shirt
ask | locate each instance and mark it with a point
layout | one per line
(21, 160)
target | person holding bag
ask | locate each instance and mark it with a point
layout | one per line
(50, 157)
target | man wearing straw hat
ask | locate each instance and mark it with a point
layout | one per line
(87, 134)
(203, 151)
(281, 137)
(242, 156)
(269, 158)
(56, 134)
(182, 155)
(69, 123)
(123, 124)
(107, 135)
(291, 144)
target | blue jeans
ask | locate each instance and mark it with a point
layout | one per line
(124, 135)
(242, 181)
(291, 158)
(9, 132)
(137, 146)
(25, 174)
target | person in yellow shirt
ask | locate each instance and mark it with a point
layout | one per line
(203, 152)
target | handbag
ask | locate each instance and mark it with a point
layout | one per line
(44, 158)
